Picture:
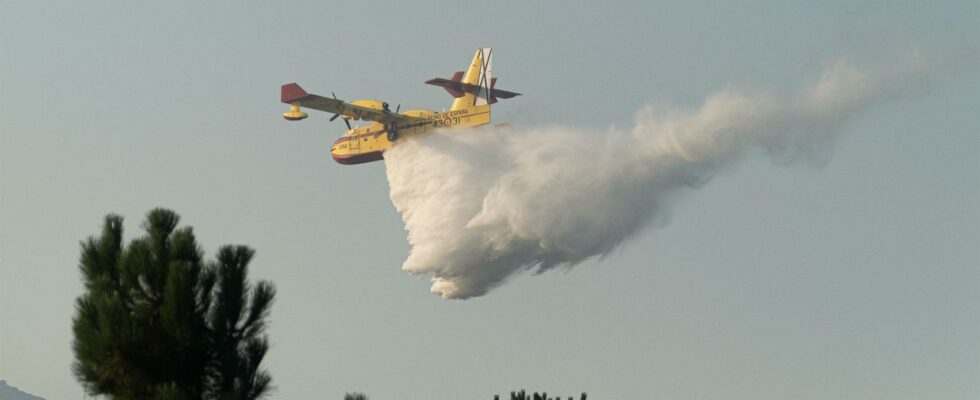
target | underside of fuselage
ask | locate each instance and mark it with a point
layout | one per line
(361, 158)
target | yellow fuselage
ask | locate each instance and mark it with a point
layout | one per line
(368, 143)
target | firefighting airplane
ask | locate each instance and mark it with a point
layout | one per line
(473, 91)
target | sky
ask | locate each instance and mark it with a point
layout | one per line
(857, 278)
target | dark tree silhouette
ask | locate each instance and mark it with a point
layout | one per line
(522, 395)
(158, 322)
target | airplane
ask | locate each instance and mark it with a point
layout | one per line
(473, 92)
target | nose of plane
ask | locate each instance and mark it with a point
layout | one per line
(336, 147)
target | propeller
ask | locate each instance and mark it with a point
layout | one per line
(338, 115)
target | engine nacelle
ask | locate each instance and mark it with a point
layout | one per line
(368, 103)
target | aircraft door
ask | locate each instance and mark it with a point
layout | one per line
(354, 144)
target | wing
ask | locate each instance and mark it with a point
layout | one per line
(295, 95)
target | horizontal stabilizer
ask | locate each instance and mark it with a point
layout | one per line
(458, 89)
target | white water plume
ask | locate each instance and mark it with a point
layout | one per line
(482, 205)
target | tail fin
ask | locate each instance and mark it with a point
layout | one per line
(478, 75)
(475, 86)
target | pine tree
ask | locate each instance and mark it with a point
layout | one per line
(158, 322)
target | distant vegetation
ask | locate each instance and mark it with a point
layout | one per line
(522, 395)
(156, 321)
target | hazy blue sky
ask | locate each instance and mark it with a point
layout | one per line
(860, 279)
